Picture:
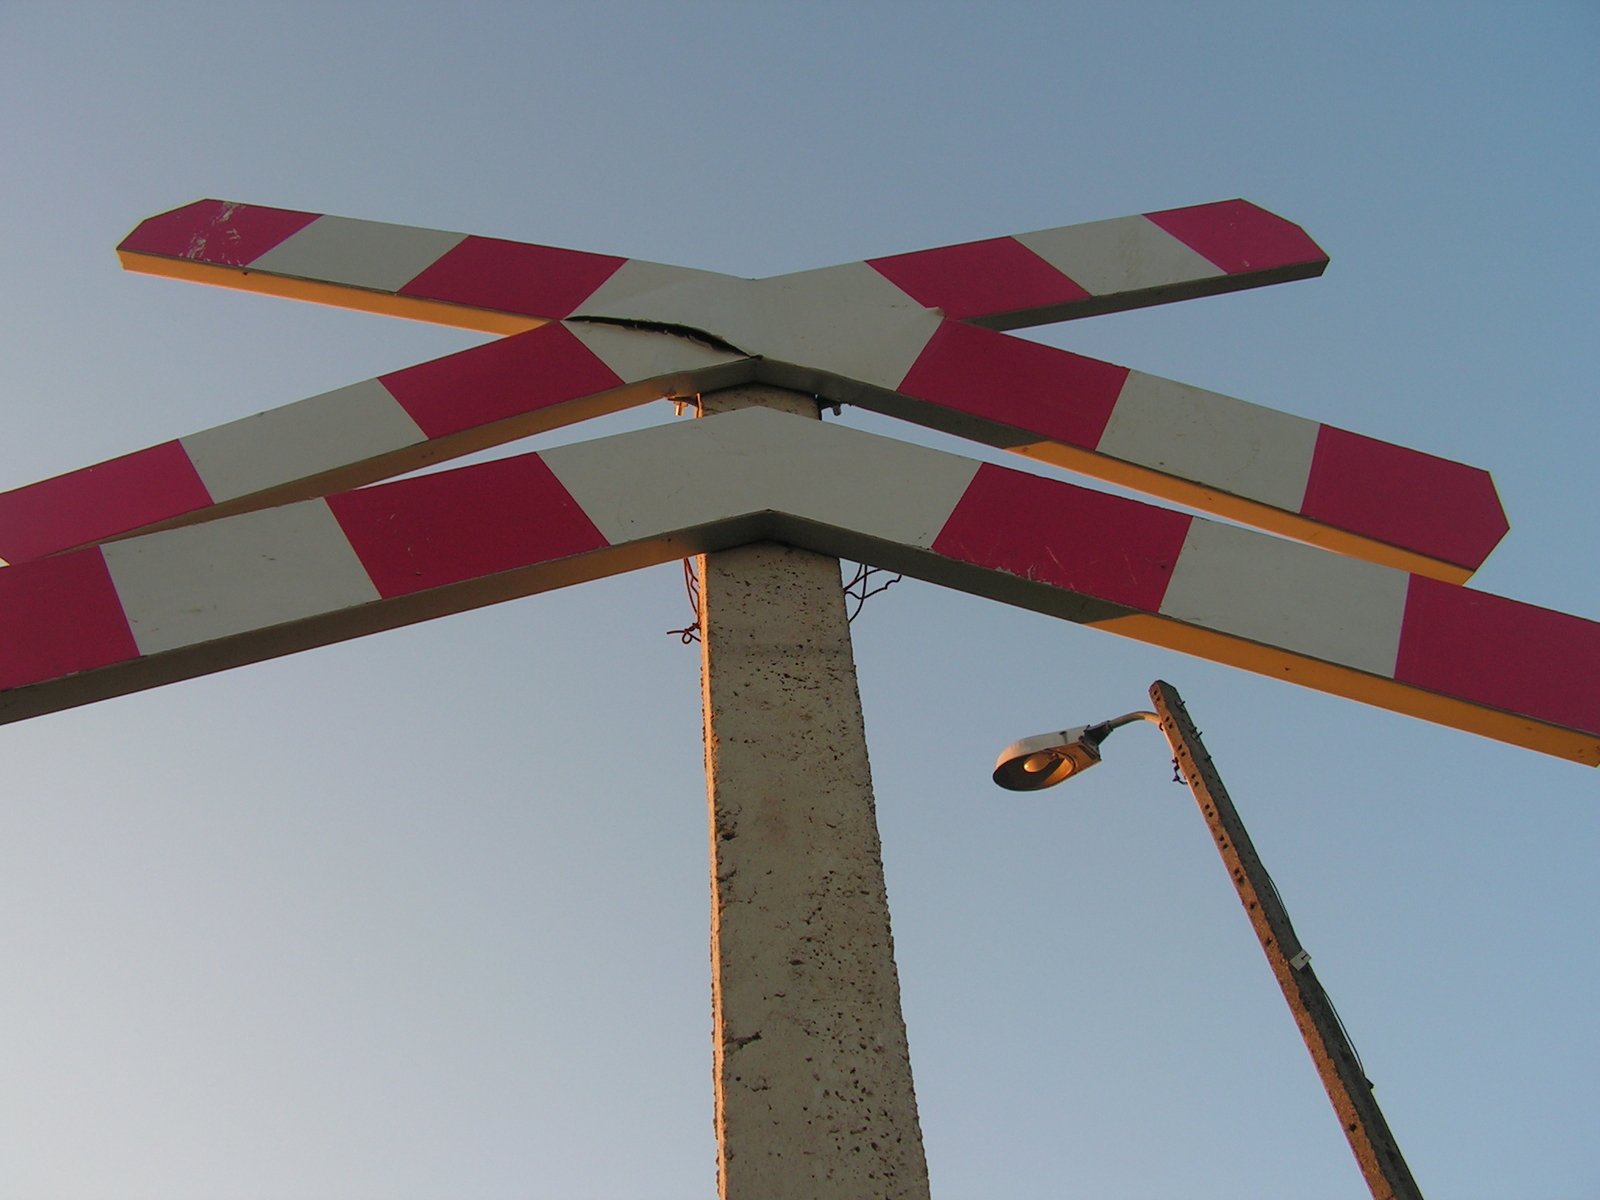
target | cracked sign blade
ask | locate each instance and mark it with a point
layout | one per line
(502, 286)
(165, 606)
(487, 284)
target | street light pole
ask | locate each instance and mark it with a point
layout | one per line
(1374, 1146)
(1049, 758)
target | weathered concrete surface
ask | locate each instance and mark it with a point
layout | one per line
(814, 1097)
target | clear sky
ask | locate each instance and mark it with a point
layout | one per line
(425, 914)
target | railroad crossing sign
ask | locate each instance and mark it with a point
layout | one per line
(288, 551)
(275, 534)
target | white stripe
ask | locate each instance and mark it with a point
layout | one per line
(649, 291)
(184, 587)
(300, 440)
(366, 254)
(1125, 254)
(1290, 596)
(691, 473)
(719, 305)
(637, 354)
(1236, 447)
(847, 320)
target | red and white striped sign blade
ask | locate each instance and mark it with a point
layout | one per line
(502, 286)
(482, 283)
(108, 620)
(1107, 266)
(517, 386)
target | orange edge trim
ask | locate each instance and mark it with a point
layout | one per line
(335, 295)
(1361, 686)
(1246, 512)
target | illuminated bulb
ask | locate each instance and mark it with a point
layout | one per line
(1042, 761)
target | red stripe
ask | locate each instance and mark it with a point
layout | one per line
(1049, 393)
(1501, 653)
(515, 277)
(1069, 537)
(98, 502)
(1443, 509)
(465, 524)
(504, 378)
(216, 231)
(978, 279)
(58, 617)
(1239, 237)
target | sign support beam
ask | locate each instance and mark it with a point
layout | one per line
(813, 1089)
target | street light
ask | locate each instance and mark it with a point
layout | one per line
(1049, 758)
(1046, 759)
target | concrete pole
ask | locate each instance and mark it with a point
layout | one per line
(814, 1098)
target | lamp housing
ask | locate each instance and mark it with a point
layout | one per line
(1047, 758)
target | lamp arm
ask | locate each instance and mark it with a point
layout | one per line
(1105, 728)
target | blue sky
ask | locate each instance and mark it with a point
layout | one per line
(426, 914)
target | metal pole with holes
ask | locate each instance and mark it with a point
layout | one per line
(1381, 1162)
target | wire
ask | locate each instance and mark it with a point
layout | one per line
(1354, 1053)
(859, 591)
(690, 633)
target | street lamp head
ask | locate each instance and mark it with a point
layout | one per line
(1048, 758)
